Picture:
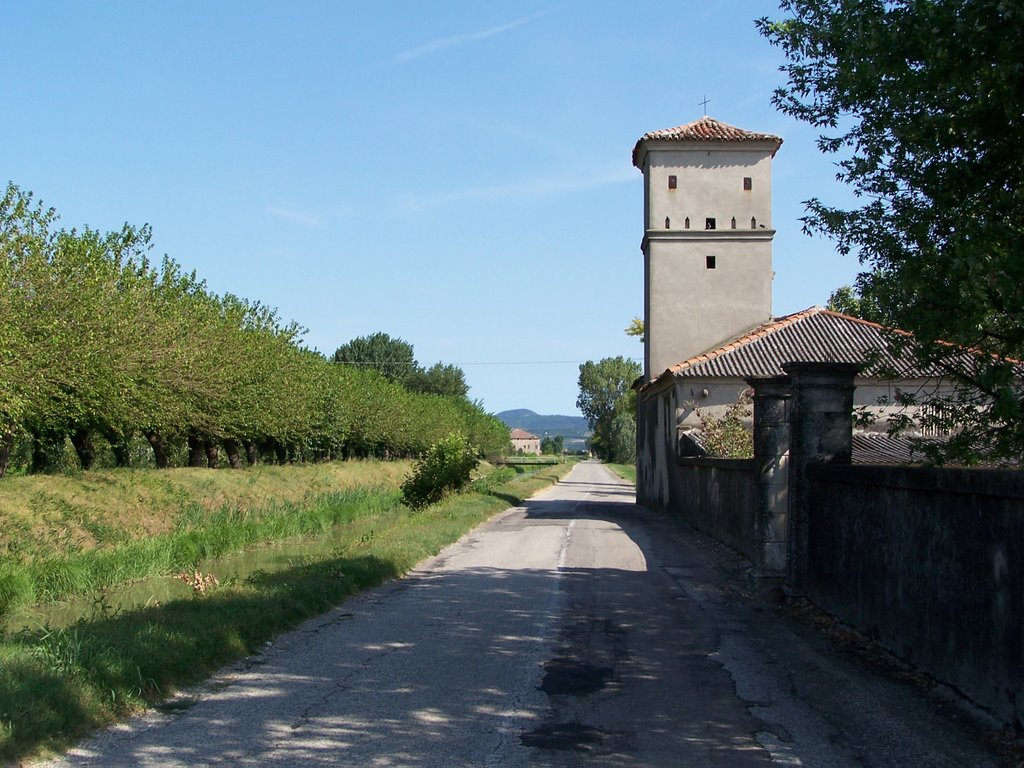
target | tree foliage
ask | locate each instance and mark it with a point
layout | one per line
(622, 437)
(605, 393)
(395, 360)
(860, 300)
(391, 357)
(439, 379)
(552, 446)
(920, 101)
(103, 349)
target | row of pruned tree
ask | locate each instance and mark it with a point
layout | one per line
(101, 345)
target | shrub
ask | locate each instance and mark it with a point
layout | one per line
(444, 469)
(497, 477)
(731, 436)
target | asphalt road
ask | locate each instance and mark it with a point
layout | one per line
(577, 630)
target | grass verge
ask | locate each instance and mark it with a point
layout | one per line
(198, 536)
(58, 685)
(625, 471)
(46, 515)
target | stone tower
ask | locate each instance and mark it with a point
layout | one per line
(707, 237)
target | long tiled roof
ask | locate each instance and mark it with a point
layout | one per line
(704, 129)
(521, 434)
(876, 448)
(814, 335)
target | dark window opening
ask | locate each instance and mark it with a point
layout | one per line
(686, 223)
(748, 183)
(709, 262)
(709, 223)
(753, 223)
(671, 182)
(733, 222)
(667, 222)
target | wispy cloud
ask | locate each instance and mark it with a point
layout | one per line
(543, 186)
(440, 43)
(293, 215)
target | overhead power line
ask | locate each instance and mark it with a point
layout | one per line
(536, 362)
(497, 362)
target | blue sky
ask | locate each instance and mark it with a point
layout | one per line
(456, 174)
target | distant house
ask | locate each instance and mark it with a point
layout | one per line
(524, 441)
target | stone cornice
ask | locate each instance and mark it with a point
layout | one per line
(705, 235)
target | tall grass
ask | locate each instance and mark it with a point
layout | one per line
(197, 537)
(44, 515)
(58, 685)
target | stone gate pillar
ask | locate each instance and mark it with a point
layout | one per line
(821, 431)
(771, 478)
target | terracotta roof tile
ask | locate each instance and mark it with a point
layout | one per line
(704, 129)
(813, 335)
(521, 434)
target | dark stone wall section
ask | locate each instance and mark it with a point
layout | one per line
(722, 496)
(929, 561)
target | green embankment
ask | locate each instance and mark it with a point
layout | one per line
(57, 685)
(46, 515)
(625, 471)
(67, 535)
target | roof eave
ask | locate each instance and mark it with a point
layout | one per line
(644, 146)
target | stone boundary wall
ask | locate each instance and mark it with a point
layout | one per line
(722, 494)
(930, 562)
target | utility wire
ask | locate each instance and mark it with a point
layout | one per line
(537, 362)
(494, 362)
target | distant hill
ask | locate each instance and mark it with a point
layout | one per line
(572, 428)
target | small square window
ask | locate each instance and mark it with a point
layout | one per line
(709, 223)
(709, 262)
(748, 183)
(672, 182)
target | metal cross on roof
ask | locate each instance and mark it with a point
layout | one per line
(705, 105)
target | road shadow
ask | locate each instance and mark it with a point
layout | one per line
(464, 667)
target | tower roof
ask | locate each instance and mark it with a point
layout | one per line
(704, 129)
